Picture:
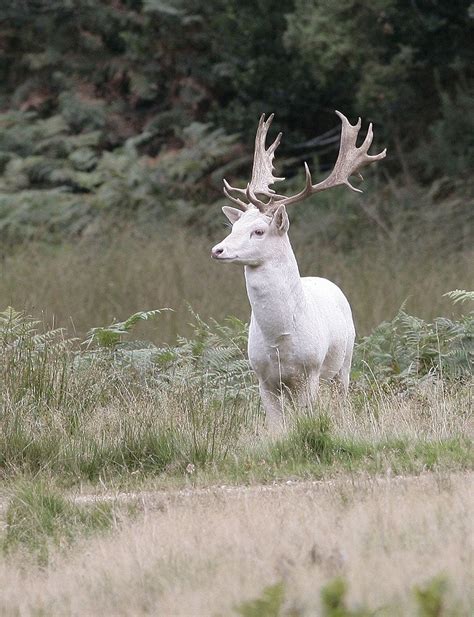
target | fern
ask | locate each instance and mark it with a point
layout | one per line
(33, 365)
(217, 353)
(44, 163)
(408, 349)
(110, 336)
(460, 295)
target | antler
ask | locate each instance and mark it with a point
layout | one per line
(262, 172)
(350, 159)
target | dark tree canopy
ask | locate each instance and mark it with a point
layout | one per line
(172, 89)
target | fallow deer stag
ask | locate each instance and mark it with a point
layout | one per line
(301, 329)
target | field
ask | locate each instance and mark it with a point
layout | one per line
(402, 546)
(138, 477)
(91, 282)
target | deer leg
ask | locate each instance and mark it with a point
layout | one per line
(342, 377)
(272, 404)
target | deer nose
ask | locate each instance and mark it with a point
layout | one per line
(217, 251)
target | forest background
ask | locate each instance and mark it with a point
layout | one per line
(120, 118)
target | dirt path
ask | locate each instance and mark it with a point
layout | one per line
(155, 498)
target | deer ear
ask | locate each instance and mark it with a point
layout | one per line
(232, 213)
(280, 220)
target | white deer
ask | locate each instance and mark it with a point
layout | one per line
(301, 329)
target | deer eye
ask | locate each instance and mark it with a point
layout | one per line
(258, 232)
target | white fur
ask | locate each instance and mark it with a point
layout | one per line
(301, 329)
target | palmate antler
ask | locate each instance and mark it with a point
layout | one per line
(350, 159)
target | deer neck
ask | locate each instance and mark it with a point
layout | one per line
(275, 293)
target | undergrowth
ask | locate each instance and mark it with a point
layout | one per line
(39, 519)
(112, 406)
(429, 600)
(408, 349)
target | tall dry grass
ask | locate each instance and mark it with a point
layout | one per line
(94, 281)
(205, 553)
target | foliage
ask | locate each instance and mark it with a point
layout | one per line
(448, 149)
(430, 598)
(460, 295)
(408, 349)
(402, 352)
(137, 407)
(311, 438)
(49, 384)
(135, 110)
(57, 183)
(42, 368)
(214, 355)
(385, 57)
(269, 604)
(34, 365)
(38, 518)
(217, 351)
(110, 336)
(334, 602)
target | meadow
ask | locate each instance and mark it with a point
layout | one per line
(95, 280)
(376, 546)
(112, 430)
(137, 476)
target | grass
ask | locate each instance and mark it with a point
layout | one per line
(186, 419)
(90, 283)
(39, 519)
(136, 435)
(347, 548)
(311, 442)
(98, 414)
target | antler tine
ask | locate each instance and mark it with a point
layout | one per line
(227, 192)
(262, 171)
(368, 138)
(232, 188)
(368, 142)
(308, 180)
(262, 132)
(349, 160)
(253, 199)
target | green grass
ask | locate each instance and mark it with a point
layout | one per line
(130, 449)
(88, 414)
(430, 602)
(312, 443)
(39, 518)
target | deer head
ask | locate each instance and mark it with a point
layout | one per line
(260, 220)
